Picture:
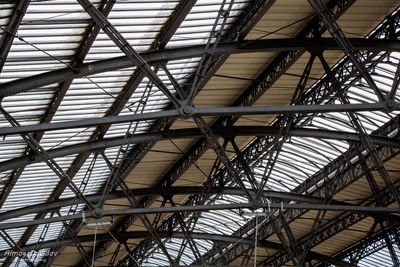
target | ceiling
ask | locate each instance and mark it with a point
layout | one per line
(208, 132)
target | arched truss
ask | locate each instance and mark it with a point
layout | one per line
(238, 132)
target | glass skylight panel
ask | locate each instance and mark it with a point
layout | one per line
(29, 107)
(15, 234)
(93, 180)
(54, 45)
(13, 69)
(196, 28)
(63, 138)
(6, 11)
(11, 146)
(88, 99)
(138, 22)
(45, 232)
(35, 184)
(379, 258)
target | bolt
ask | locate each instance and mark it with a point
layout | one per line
(391, 104)
(187, 109)
(256, 204)
(97, 213)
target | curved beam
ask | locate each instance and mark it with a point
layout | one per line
(170, 191)
(190, 133)
(199, 208)
(218, 111)
(180, 235)
(152, 57)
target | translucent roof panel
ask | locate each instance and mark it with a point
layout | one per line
(46, 39)
(299, 158)
(49, 38)
(196, 28)
(139, 23)
(35, 184)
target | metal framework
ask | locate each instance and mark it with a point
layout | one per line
(155, 133)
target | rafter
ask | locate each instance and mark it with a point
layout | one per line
(157, 56)
(11, 30)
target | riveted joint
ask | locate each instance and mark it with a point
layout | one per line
(256, 204)
(185, 110)
(97, 213)
(392, 105)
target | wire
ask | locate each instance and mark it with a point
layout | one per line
(116, 240)
(94, 246)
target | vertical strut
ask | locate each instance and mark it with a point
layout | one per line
(114, 256)
(205, 62)
(252, 180)
(278, 231)
(188, 237)
(212, 140)
(286, 123)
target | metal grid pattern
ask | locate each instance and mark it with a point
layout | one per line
(50, 37)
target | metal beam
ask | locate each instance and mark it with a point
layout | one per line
(126, 48)
(337, 33)
(141, 234)
(45, 156)
(180, 235)
(158, 191)
(194, 132)
(223, 111)
(335, 226)
(277, 68)
(14, 247)
(87, 41)
(343, 5)
(366, 246)
(358, 126)
(11, 30)
(141, 211)
(215, 145)
(312, 186)
(84, 47)
(225, 132)
(158, 56)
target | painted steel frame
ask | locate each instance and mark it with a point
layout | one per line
(225, 49)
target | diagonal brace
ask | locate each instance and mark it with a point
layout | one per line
(126, 48)
(212, 140)
(8, 239)
(145, 220)
(36, 147)
(344, 43)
